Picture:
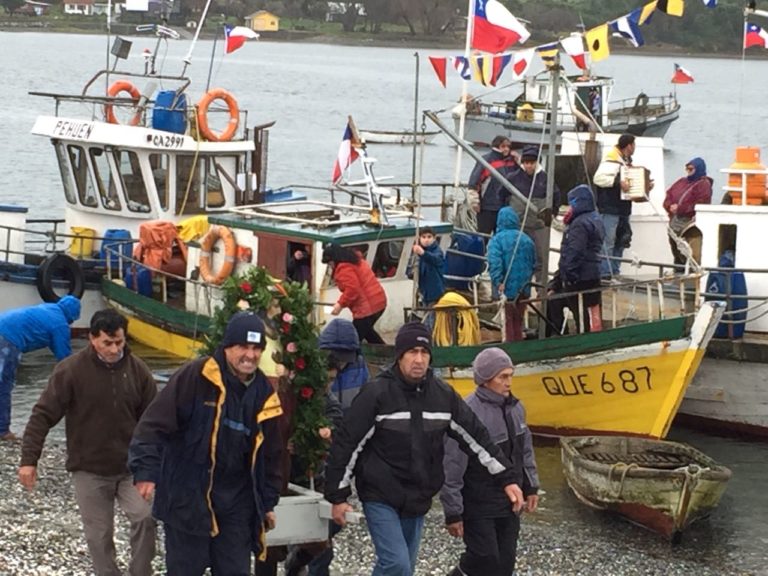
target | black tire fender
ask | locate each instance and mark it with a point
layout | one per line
(59, 267)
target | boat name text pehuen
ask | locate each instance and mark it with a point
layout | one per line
(76, 130)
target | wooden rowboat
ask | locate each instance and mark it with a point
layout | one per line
(664, 486)
(397, 136)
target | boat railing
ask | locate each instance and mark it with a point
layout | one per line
(114, 252)
(538, 112)
(641, 104)
(42, 236)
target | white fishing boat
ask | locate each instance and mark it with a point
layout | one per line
(397, 136)
(583, 105)
(127, 154)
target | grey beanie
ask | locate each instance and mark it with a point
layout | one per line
(489, 363)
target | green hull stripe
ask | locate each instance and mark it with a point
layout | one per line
(550, 348)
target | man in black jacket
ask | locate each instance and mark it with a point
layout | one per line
(208, 448)
(391, 441)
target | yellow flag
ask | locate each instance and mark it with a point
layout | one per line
(548, 54)
(597, 42)
(647, 12)
(482, 69)
(671, 7)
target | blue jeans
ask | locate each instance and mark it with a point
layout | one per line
(395, 539)
(612, 245)
(9, 363)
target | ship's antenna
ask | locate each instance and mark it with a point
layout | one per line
(188, 57)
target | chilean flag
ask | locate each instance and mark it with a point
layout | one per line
(755, 36)
(681, 76)
(494, 28)
(236, 36)
(347, 155)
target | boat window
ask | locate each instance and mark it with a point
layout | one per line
(104, 180)
(188, 185)
(159, 163)
(66, 173)
(387, 258)
(136, 197)
(726, 240)
(214, 193)
(86, 193)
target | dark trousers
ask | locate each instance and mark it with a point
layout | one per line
(491, 546)
(486, 221)
(228, 554)
(365, 330)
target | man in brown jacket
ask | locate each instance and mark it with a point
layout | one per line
(102, 391)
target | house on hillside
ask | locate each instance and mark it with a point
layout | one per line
(263, 21)
(79, 7)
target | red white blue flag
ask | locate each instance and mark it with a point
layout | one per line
(494, 28)
(236, 36)
(755, 36)
(347, 154)
(681, 76)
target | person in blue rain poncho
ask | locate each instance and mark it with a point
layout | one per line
(511, 258)
(26, 329)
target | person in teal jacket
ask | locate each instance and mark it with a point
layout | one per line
(26, 329)
(511, 258)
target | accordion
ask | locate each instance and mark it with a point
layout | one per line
(639, 182)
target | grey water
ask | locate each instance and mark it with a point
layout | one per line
(310, 89)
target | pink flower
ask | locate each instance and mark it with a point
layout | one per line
(243, 305)
(287, 318)
(291, 347)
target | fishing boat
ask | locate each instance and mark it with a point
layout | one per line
(583, 105)
(397, 136)
(661, 485)
(128, 153)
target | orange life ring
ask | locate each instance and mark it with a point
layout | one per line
(215, 234)
(202, 115)
(114, 90)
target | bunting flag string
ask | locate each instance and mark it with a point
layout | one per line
(487, 68)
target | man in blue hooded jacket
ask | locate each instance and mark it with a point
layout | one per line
(26, 329)
(339, 338)
(511, 259)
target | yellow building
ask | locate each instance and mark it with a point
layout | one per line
(263, 21)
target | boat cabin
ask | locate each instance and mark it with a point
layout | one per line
(268, 235)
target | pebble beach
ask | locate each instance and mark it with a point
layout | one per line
(41, 536)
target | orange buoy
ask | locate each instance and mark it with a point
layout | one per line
(215, 234)
(202, 115)
(747, 158)
(114, 90)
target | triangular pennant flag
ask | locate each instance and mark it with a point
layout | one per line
(461, 64)
(438, 65)
(480, 69)
(499, 64)
(629, 27)
(671, 7)
(646, 13)
(574, 47)
(548, 54)
(710, 3)
(522, 60)
(597, 43)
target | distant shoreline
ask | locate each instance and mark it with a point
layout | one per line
(384, 40)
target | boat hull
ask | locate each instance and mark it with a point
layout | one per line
(663, 486)
(627, 380)
(481, 129)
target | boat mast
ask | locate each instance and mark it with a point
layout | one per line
(415, 124)
(464, 83)
(551, 153)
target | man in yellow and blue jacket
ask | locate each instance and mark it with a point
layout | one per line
(208, 448)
